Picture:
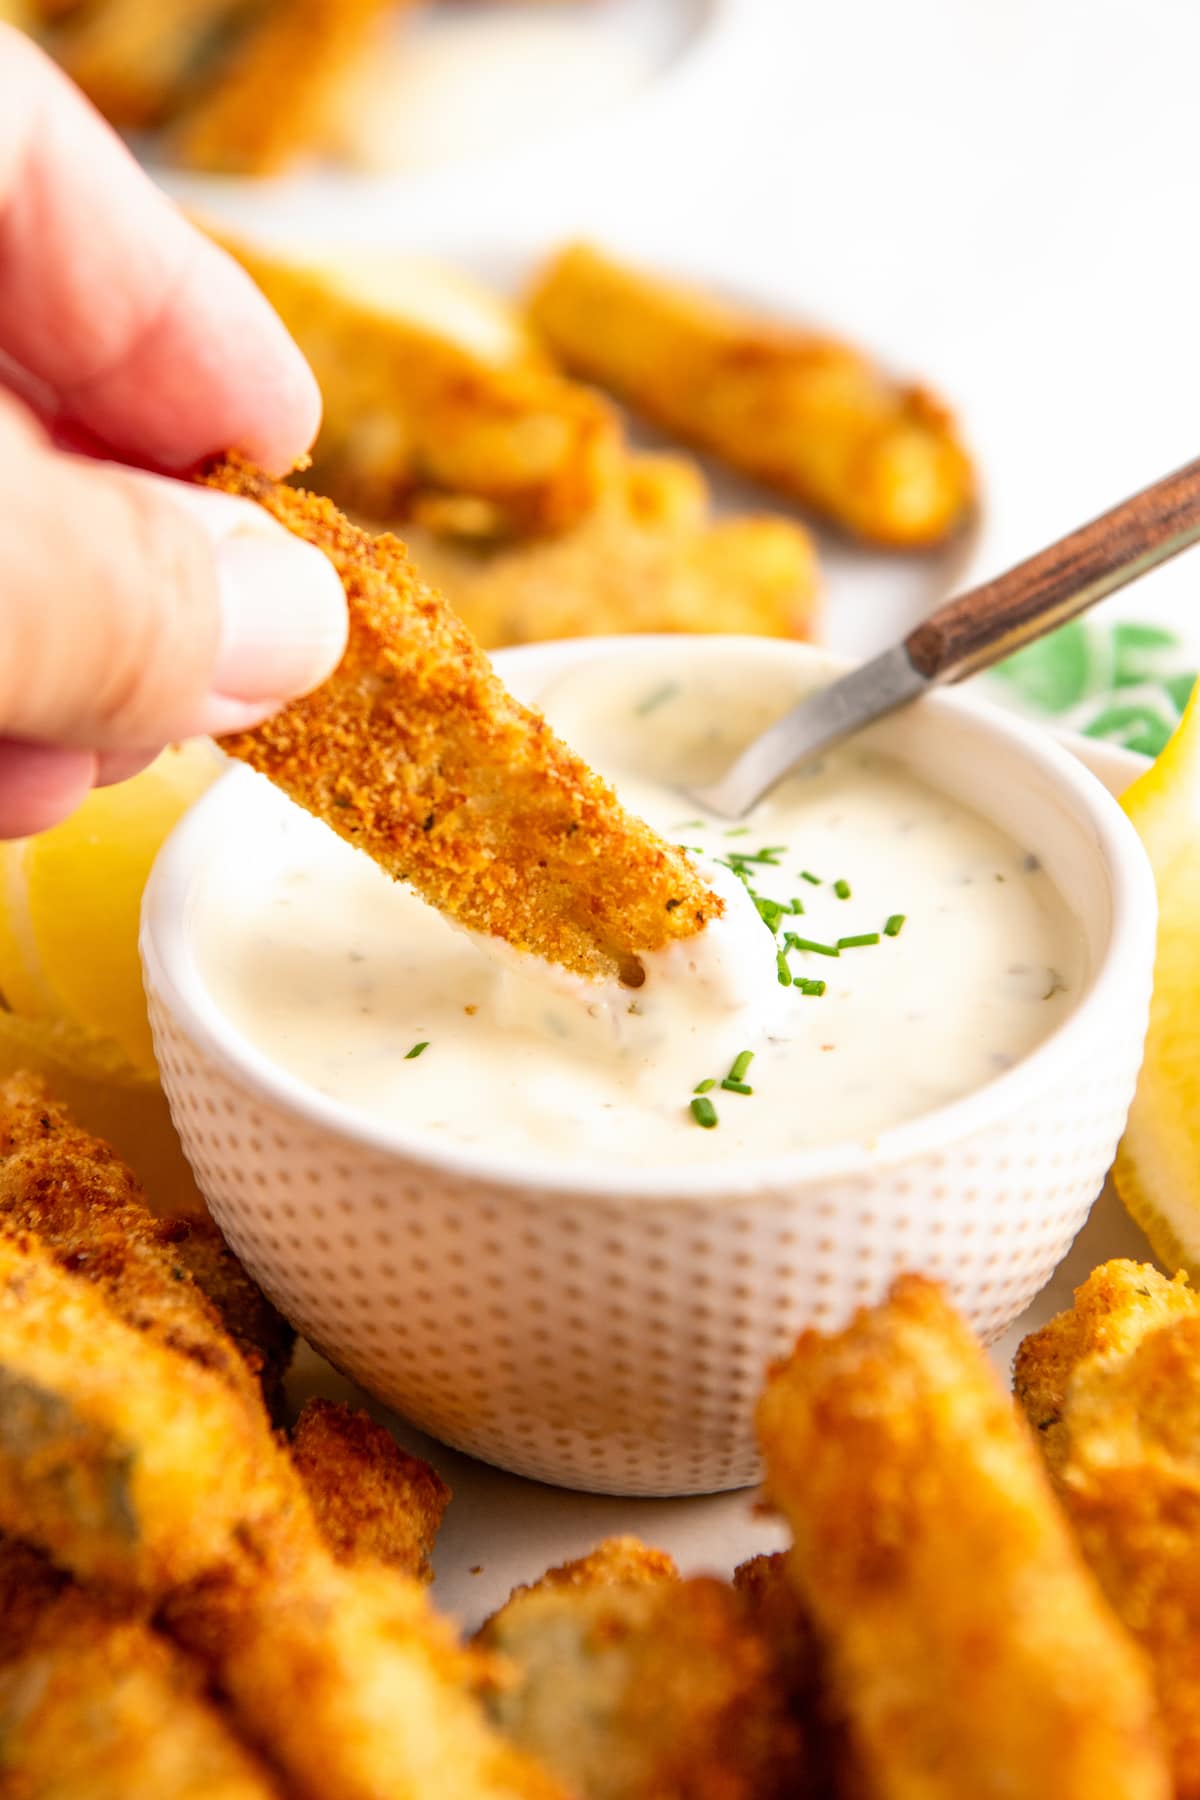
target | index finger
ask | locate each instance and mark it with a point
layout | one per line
(146, 333)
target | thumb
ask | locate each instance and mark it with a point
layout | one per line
(135, 610)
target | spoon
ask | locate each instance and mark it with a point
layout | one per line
(972, 632)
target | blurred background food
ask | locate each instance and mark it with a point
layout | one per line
(258, 87)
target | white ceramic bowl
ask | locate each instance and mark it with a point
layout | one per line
(609, 1329)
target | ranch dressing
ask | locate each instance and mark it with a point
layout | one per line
(339, 975)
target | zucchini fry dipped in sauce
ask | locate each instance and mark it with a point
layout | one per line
(966, 1644)
(634, 1685)
(414, 751)
(1112, 1389)
(464, 427)
(803, 412)
(95, 1705)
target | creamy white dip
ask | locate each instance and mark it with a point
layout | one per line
(339, 975)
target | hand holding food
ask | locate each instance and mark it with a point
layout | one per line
(129, 623)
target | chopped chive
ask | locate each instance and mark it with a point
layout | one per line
(416, 1050)
(796, 904)
(842, 889)
(738, 831)
(798, 943)
(769, 911)
(815, 988)
(741, 1063)
(704, 1113)
(785, 974)
(807, 875)
(864, 937)
(704, 1087)
(736, 1087)
(656, 699)
(894, 925)
(689, 825)
(692, 849)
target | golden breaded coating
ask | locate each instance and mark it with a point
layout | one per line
(87, 1209)
(966, 1645)
(655, 1689)
(94, 1705)
(642, 561)
(800, 410)
(131, 1464)
(415, 418)
(371, 1499)
(140, 60)
(414, 752)
(277, 94)
(1113, 1389)
(615, 1562)
(139, 1470)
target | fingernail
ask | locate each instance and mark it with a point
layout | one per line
(283, 616)
(283, 619)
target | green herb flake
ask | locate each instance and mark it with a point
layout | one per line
(704, 1087)
(658, 697)
(895, 924)
(736, 1087)
(785, 974)
(807, 875)
(800, 943)
(853, 943)
(741, 1063)
(842, 889)
(704, 1113)
(416, 1050)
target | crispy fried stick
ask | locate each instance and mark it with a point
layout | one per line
(801, 411)
(371, 1499)
(173, 1279)
(415, 752)
(276, 95)
(650, 558)
(138, 60)
(94, 1705)
(967, 1646)
(634, 1685)
(1112, 1388)
(416, 420)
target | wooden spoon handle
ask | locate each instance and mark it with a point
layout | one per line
(990, 621)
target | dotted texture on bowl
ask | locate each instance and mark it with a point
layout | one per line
(619, 1345)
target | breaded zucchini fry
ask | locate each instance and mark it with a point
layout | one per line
(966, 1644)
(85, 1207)
(415, 418)
(94, 1705)
(615, 1562)
(799, 410)
(1113, 1390)
(650, 1689)
(650, 560)
(131, 1465)
(263, 1336)
(373, 1502)
(138, 60)
(415, 752)
(277, 95)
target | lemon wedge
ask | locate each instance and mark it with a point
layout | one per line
(71, 1002)
(70, 901)
(1157, 1171)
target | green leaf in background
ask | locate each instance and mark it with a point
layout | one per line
(1179, 687)
(1143, 727)
(1141, 653)
(1058, 671)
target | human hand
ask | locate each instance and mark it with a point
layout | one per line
(128, 618)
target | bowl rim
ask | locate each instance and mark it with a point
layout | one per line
(172, 972)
